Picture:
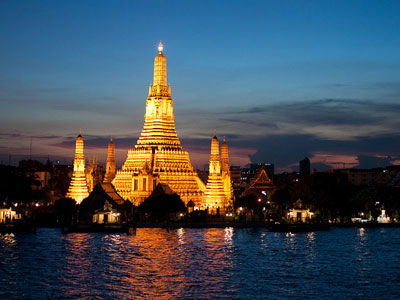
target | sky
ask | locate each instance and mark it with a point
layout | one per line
(282, 80)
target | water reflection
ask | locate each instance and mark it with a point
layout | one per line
(180, 233)
(7, 240)
(77, 269)
(201, 264)
(228, 236)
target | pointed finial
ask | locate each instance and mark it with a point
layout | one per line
(224, 140)
(80, 131)
(215, 132)
(111, 139)
(160, 47)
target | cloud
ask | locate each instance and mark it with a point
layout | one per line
(285, 150)
(368, 161)
(98, 142)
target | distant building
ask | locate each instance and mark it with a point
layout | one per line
(43, 177)
(236, 175)
(305, 166)
(376, 176)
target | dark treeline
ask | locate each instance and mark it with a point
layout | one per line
(329, 196)
(21, 184)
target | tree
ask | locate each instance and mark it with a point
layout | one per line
(65, 209)
(159, 206)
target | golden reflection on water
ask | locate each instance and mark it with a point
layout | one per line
(161, 264)
(156, 262)
(8, 239)
(181, 234)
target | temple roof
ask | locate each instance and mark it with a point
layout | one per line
(260, 181)
(97, 198)
(112, 192)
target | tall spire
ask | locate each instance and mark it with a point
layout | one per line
(78, 189)
(160, 68)
(224, 156)
(214, 149)
(226, 173)
(160, 47)
(214, 195)
(110, 166)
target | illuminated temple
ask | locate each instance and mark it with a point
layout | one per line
(110, 166)
(78, 189)
(218, 194)
(158, 156)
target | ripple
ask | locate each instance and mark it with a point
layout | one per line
(228, 263)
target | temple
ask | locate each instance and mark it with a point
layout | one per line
(110, 166)
(78, 189)
(225, 171)
(158, 156)
(94, 174)
(218, 194)
(261, 185)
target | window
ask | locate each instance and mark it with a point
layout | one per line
(144, 184)
(135, 184)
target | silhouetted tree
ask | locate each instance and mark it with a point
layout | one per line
(65, 209)
(160, 206)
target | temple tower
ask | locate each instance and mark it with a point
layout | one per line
(215, 196)
(78, 189)
(226, 173)
(94, 174)
(224, 156)
(158, 156)
(110, 166)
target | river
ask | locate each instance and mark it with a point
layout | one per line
(343, 263)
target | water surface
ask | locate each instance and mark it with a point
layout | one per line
(345, 263)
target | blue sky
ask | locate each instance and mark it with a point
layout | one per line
(281, 79)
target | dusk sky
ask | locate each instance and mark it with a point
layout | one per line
(282, 80)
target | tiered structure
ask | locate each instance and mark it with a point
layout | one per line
(216, 196)
(78, 189)
(158, 156)
(226, 173)
(110, 166)
(94, 174)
